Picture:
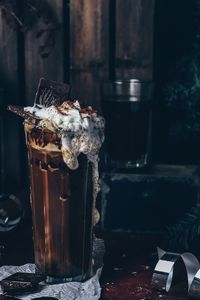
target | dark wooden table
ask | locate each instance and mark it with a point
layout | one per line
(127, 271)
(128, 265)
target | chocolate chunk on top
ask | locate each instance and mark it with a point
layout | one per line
(51, 92)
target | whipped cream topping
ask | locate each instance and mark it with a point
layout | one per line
(81, 130)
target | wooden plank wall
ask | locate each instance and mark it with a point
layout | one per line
(95, 40)
(89, 48)
(37, 66)
(134, 38)
(9, 71)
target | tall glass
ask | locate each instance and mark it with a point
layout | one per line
(127, 107)
(61, 210)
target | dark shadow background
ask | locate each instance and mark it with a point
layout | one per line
(176, 72)
(176, 132)
(176, 110)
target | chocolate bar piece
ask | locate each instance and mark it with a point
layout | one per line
(21, 282)
(19, 110)
(51, 92)
(6, 297)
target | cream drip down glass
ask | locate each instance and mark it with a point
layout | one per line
(63, 141)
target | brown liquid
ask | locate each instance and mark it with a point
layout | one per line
(62, 215)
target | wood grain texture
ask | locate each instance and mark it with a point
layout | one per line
(50, 67)
(9, 81)
(89, 48)
(82, 53)
(134, 38)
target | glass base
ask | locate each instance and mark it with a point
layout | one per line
(56, 280)
(131, 164)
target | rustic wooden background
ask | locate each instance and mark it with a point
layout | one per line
(95, 40)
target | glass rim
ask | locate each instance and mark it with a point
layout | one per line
(131, 80)
(131, 90)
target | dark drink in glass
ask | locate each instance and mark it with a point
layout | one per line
(63, 142)
(127, 107)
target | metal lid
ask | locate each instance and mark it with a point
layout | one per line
(127, 90)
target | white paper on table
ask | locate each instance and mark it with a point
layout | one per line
(88, 290)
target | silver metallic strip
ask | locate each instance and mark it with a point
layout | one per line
(164, 271)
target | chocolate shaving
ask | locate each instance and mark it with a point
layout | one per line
(43, 137)
(19, 110)
(51, 92)
(87, 110)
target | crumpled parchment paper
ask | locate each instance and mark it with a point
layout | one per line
(88, 290)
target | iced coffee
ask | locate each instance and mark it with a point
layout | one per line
(63, 142)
